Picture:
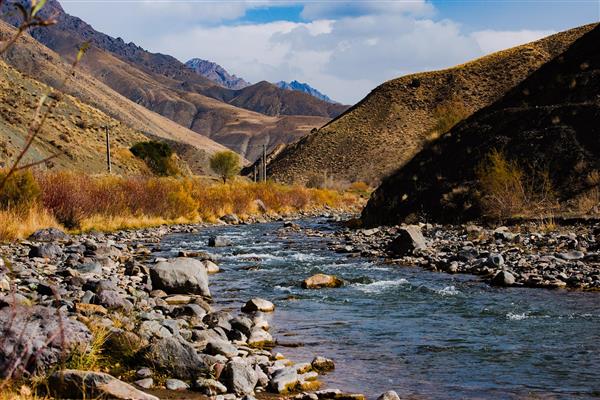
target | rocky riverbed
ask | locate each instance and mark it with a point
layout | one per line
(160, 332)
(528, 255)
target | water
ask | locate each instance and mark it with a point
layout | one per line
(425, 335)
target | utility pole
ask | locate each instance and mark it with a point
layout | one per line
(254, 173)
(265, 162)
(108, 165)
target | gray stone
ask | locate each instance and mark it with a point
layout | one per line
(74, 384)
(215, 347)
(239, 377)
(177, 359)
(260, 338)
(219, 241)
(408, 240)
(284, 380)
(46, 250)
(231, 219)
(322, 364)
(25, 333)
(495, 260)
(503, 278)
(571, 255)
(389, 395)
(48, 235)
(143, 373)
(146, 383)
(113, 300)
(180, 275)
(242, 324)
(176, 384)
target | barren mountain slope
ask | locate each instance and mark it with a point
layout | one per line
(388, 127)
(74, 130)
(547, 123)
(36, 60)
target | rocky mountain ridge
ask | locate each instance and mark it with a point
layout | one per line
(303, 87)
(216, 73)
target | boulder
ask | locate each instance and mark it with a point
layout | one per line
(113, 300)
(322, 364)
(231, 219)
(503, 278)
(172, 357)
(146, 383)
(46, 250)
(409, 239)
(284, 380)
(322, 281)
(180, 275)
(257, 304)
(209, 387)
(75, 384)
(495, 260)
(239, 377)
(176, 385)
(211, 267)
(389, 395)
(219, 241)
(260, 338)
(48, 235)
(41, 331)
(222, 347)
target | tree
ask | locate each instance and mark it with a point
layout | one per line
(226, 164)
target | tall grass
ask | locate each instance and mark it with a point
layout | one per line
(80, 202)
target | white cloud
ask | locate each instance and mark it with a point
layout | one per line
(490, 41)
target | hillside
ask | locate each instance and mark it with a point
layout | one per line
(164, 85)
(389, 126)
(548, 123)
(32, 58)
(75, 130)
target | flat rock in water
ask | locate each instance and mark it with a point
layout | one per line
(75, 384)
(180, 276)
(322, 281)
(389, 395)
(503, 278)
(219, 241)
(258, 304)
(322, 364)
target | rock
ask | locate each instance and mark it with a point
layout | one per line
(408, 240)
(178, 299)
(231, 219)
(495, 260)
(219, 241)
(146, 383)
(389, 395)
(257, 304)
(209, 387)
(242, 324)
(177, 359)
(215, 347)
(143, 373)
(503, 278)
(92, 267)
(260, 338)
(113, 300)
(176, 384)
(284, 380)
(239, 378)
(571, 255)
(48, 235)
(211, 267)
(322, 364)
(180, 275)
(322, 281)
(74, 384)
(46, 250)
(26, 331)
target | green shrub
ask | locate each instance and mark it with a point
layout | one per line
(226, 164)
(158, 156)
(19, 191)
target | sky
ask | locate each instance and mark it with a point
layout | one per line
(342, 48)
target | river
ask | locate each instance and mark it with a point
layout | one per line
(425, 335)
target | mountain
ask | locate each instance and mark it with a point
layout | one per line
(305, 88)
(37, 61)
(549, 122)
(237, 119)
(387, 128)
(216, 73)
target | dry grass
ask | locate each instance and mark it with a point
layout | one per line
(509, 191)
(81, 203)
(446, 116)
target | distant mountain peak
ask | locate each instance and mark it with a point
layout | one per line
(304, 87)
(216, 73)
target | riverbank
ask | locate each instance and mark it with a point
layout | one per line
(109, 303)
(526, 255)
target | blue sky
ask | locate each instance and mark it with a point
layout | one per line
(343, 48)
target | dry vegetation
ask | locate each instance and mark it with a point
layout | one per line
(80, 202)
(508, 190)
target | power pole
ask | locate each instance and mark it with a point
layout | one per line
(108, 165)
(254, 173)
(265, 162)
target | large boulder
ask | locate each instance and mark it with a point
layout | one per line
(46, 250)
(319, 281)
(37, 338)
(409, 239)
(239, 377)
(177, 359)
(219, 241)
(48, 235)
(180, 275)
(503, 278)
(284, 380)
(75, 384)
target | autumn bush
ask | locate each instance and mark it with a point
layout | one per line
(446, 116)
